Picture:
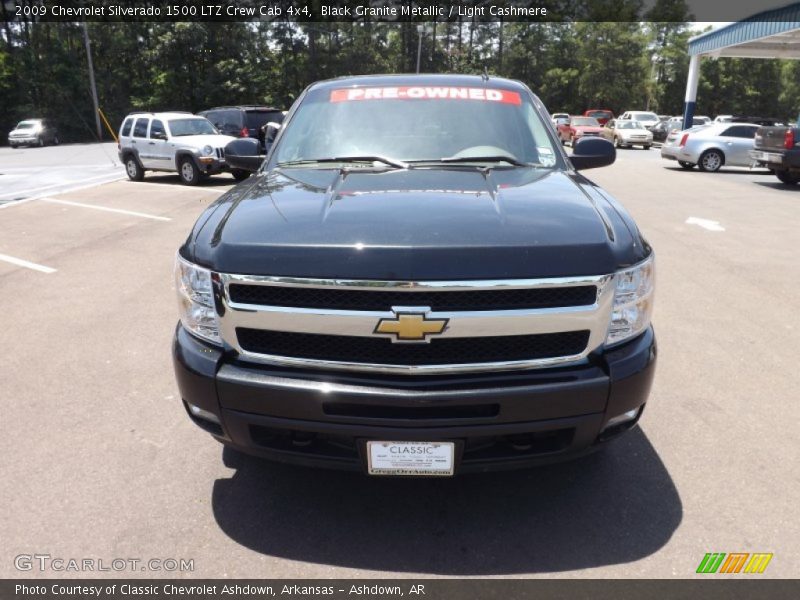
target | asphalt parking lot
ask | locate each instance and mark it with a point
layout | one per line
(37, 172)
(100, 460)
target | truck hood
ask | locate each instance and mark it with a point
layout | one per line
(424, 224)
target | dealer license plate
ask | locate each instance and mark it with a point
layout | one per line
(411, 458)
(767, 156)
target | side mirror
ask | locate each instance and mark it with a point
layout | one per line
(592, 152)
(159, 135)
(244, 154)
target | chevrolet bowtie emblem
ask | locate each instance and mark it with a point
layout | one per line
(410, 326)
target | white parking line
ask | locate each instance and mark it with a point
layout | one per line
(105, 208)
(705, 224)
(27, 264)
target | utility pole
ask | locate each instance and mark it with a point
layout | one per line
(91, 81)
(420, 29)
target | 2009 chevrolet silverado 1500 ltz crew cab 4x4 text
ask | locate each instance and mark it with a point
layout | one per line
(417, 281)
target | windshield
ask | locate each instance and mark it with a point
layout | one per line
(27, 125)
(416, 123)
(198, 126)
(643, 116)
(584, 122)
(629, 125)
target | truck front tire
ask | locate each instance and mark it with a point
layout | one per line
(239, 174)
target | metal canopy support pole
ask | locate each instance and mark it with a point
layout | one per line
(91, 81)
(691, 91)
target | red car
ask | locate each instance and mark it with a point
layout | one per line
(603, 115)
(578, 127)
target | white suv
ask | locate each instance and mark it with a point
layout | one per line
(173, 141)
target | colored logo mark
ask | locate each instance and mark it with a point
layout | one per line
(735, 562)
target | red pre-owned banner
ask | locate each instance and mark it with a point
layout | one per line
(425, 92)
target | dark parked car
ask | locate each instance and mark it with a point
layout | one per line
(33, 132)
(664, 128)
(416, 281)
(243, 121)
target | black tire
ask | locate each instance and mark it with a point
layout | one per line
(686, 165)
(646, 146)
(188, 171)
(239, 174)
(56, 141)
(616, 142)
(133, 168)
(40, 142)
(711, 161)
(787, 177)
(13, 146)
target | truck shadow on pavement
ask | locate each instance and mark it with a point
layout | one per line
(612, 507)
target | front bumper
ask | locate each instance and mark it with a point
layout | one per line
(210, 165)
(637, 142)
(506, 420)
(19, 141)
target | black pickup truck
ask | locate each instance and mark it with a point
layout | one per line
(416, 281)
(778, 148)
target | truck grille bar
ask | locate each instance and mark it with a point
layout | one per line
(488, 325)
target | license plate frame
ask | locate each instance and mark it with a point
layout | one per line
(413, 458)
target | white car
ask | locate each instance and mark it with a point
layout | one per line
(627, 133)
(559, 118)
(173, 141)
(711, 147)
(723, 119)
(645, 118)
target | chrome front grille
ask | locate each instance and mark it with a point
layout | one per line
(490, 325)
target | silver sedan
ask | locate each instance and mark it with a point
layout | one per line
(711, 146)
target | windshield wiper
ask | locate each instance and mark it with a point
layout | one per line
(495, 158)
(392, 162)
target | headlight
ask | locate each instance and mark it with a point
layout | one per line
(196, 300)
(208, 151)
(633, 301)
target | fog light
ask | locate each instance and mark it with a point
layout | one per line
(201, 413)
(623, 418)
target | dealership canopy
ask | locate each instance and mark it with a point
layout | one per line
(768, 34)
